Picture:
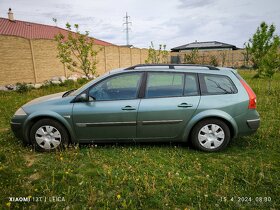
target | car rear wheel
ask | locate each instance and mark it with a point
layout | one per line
(210, 135)
(48, 135)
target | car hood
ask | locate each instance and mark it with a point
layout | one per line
(45, 98)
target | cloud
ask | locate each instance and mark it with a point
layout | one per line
(194, 3)
(168, 22)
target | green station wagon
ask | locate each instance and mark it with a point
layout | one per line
(144, 103)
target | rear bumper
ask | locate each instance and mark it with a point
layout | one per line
(248, 123)
(253, 124)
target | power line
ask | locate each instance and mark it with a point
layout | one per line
(127, 25)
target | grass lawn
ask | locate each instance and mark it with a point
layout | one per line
(144, 176)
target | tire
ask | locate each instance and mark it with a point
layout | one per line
(210, 135)
(48, 135)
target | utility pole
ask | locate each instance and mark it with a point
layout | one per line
(127, 25)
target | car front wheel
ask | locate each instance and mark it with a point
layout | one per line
(48, 135)
(210, 135)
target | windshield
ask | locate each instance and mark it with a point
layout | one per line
(76, 92)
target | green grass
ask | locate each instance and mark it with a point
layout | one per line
(145, 176)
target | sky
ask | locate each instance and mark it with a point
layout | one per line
(170, 22)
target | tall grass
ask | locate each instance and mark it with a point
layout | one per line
(144, 176)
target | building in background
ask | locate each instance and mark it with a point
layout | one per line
(11, 27)
(204, 46)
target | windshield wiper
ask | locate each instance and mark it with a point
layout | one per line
(68, 92)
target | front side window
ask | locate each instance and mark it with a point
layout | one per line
(161, 84)
(218, 84)
(119, 87)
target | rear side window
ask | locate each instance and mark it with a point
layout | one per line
(161, 84)
(216, 85)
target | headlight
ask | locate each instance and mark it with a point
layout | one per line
(20, 112)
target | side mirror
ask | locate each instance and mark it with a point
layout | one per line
(82, 98)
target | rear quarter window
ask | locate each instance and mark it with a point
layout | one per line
(216, 84)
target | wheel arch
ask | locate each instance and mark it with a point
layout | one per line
(32, 119)
(211, 114)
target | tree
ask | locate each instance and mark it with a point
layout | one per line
(270, 63)
(261, 43)
(192, 57)
(157, 56)
(76, 51)
(263, 49)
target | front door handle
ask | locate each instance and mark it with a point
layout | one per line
(128, 108)
(185, 105)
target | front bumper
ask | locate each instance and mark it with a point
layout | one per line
(17, 129)
(253, 124)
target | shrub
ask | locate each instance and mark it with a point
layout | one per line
(23, 87)
(157, 56)
(213, 60)
(192, 57)
(82, 81)
(67, 83)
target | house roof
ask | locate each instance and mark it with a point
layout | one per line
(35, 30)
(204, 45)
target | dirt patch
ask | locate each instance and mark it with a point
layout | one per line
(34, 177)
(29, 159)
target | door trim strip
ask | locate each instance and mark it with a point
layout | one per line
(129, 123)
(159, 122)
(101, 124)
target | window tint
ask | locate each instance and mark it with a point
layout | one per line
(160, 84)
(218, 84)
(191, 86)
(119, 87)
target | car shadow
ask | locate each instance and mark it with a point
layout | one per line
(136, 144)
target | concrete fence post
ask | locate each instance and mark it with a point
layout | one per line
(130, 56)
(105, 60)
(33, 61)
(119, 57)
(140, 54)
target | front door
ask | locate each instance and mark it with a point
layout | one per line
(169, 103)
(112, 113)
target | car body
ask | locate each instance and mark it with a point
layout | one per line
(204, 104)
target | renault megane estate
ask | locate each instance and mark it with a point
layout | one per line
(203, 104)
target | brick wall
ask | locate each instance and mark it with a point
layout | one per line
(15, 60)
(23, 60)
(34, 61)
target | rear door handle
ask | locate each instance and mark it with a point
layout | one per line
(128, 108)
(185, 105)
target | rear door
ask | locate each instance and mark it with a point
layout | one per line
(169, 102)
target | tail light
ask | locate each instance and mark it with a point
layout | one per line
(251, 94)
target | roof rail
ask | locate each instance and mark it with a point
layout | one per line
(172, 66)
